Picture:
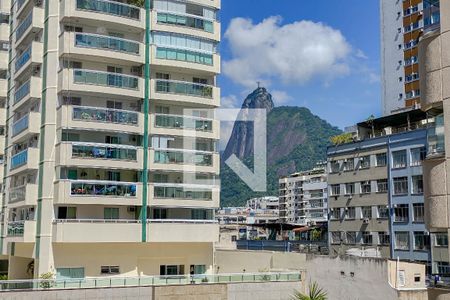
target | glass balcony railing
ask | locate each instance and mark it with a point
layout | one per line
(183, 157)
(104, 115)
(184, 55)
(17, 194)
(20, 125)
(102, 151)
(20, 3)
(102, 188)
(105, 79)
(180, 192)
(186, 21)
(182, 122)
(22, 59)
(16, 228)
(26, 23)
(19, 159)
(184, 88)
(22, 91)
(436, 137)
(106, 42)
(110, 7)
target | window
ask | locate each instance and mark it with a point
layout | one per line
(350, 237)
(114, 104)
(336, 237)
(364, 162)
(350, 212)
(72, 100)
(402, 240)
(197, 269)
(419, 212)
(67, 213)
(382, 186)
(365, 187)
(383, 212)
(399, 159)
(334, 166)
(366, 212)
(335, 190)
(335, 213)
(442, 267)
(441, 239)
(159, 213)
(401, 213)
(69, 273)
(421, 241)
(111, 213)
(417, 184)
(383, 238)
(171, 270)
(349, 188)
(109, 270)
(381, 159)
(400, 185)
(417, 156)
(366, 238)
(349, 164)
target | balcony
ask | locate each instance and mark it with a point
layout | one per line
(165, 124)
(99, 118)
(101, 47)
(24, 160)
(3, 88)
(31, 89)
(31, 56)
(104, 13)
(179, 231)
(185, 92)
(23, 195)
(184, 160)
(436, 138)
(99, 155)
(93, 82)
(22, 231)
(32, 23)
(26, 126)
(184, 195)
(99, 192)
(96, 231)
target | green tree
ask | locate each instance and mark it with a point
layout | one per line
(315, 293)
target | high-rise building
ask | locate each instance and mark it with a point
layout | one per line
(5, 6)
(303, 197)
(111, 143)
(402, 25)
(434, 65)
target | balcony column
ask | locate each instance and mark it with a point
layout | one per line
(44, 261)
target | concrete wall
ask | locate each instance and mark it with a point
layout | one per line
(235, 291)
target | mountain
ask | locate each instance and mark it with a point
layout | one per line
(296, 141)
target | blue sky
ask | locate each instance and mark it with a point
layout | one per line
(350, 43)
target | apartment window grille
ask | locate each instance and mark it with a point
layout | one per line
(366, 212)
(400, 185)
(109, 270)
(418, 156)
(399, 159)
(441, 239)
(417, 184)
(383, 212)
(350, 213)
(335, 213)
(382, 186)
(442, 267)
(401, 213)
(402, 240)
(419, 212)
(421, 241)
(383, 238)
(367, 238)
(335, 189)
(364, 162)
(349, 164)
(365, 187)
(336, 237)
(349, 188)
(381, 159)
(334, 166)
(350, 237)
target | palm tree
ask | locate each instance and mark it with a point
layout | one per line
(315, 293)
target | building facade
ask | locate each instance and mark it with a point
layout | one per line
(402, 25)
(303, 197)
(434, 66)
(376, 201)
(111, 158)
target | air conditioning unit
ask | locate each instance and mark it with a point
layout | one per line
(37, 70)
(131, 209)
(366, 221)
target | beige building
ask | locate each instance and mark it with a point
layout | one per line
(111, 141)
(435, 73)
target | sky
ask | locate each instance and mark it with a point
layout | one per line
(321, 54)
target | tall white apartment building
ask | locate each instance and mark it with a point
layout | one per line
(303, 197)
(111, 158)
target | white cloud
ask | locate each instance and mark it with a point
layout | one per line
(360, 54)
(295, 53)
(280, 97)
(230, 101)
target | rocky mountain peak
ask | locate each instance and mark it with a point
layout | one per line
(259, 98)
